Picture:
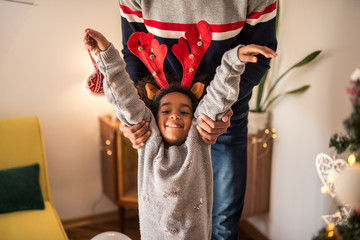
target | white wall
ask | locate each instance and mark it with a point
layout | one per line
(43, 63)
(306, 122)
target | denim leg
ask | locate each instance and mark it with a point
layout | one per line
(229, 161)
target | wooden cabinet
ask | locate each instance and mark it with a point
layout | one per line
(118, 164)
(259, 152)
(119, 169)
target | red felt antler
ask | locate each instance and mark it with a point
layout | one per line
(151, 53)
(199, 39)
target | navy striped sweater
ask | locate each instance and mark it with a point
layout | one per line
(232, 22)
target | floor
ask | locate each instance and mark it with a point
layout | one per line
(88, 231)
(131, 229)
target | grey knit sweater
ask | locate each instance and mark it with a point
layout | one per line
(174, 184)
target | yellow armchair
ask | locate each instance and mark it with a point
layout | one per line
(21, 144)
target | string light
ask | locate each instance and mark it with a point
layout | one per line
(324, 190)
(108, 142)
(330, 229)
(265, 141)
(352, 160)
(330, 179)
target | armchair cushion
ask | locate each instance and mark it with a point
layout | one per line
(32, 224)
(20, 189)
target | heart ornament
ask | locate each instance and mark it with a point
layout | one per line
(328, 169)
(94, 82)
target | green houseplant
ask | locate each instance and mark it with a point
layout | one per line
(258, 117)
(264, 99)
(262, 104)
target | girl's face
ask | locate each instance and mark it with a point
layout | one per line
(174, 118)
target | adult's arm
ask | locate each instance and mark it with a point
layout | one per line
(132, 21)
(260, 29)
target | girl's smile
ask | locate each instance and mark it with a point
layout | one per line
(174, 118)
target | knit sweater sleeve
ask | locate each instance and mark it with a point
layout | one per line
(223, 91)
(120, 90)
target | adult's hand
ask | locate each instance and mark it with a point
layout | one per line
(210, 130)
(137, 134)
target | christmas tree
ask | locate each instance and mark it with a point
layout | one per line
(351, 140)
(344, 225)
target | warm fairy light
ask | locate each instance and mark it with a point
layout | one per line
(274, 136)
(351, 159)
(338, 214)
(324, 190)
(330, 227)
(267, 131)
(273, 130)
(330, 234)
(265, 145)
(109, 152)
(108, 142)
(330, 179)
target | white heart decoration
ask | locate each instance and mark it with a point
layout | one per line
(327, 168)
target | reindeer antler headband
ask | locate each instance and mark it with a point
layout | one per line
(152, 54)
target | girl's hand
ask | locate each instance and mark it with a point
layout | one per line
(95, 41)
(247, 53)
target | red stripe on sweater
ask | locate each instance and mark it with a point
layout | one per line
(127, 10)
(184, 27)
(268, 9)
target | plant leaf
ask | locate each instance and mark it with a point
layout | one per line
(295, 91)
(307, 59)
(298, 90)
(271, 101)
(304, 61)
(260, 91)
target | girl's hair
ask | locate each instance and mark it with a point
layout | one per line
(174, 86)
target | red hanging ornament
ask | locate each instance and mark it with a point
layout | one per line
(94, 80)
(353, 90)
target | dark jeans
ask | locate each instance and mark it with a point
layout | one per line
(229, 161)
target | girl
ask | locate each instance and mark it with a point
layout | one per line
(174, 170)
